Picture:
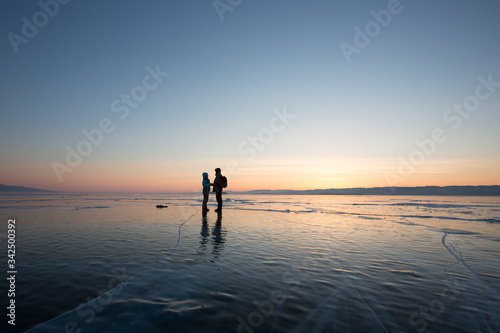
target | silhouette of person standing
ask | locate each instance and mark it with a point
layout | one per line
(206, 190)
(218, 186)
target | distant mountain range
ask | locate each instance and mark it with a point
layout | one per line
(493, 190)
(6, 188)
(423, 190)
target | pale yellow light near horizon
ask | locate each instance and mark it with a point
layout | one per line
(185, 176)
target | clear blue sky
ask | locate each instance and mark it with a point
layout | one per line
(353, 120)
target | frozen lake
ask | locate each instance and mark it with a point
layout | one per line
(268, 263)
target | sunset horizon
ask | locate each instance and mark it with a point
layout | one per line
(242, 190)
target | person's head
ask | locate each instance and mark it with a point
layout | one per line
(205, 175)
(217, 171)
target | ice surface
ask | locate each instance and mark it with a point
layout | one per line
(268, 263)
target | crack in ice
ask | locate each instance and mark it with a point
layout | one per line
(443, 241)
(356, 289)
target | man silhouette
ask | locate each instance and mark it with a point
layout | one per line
(218, 185)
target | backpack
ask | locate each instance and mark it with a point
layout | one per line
(224, 181)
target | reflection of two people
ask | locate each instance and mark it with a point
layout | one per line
(217, 240)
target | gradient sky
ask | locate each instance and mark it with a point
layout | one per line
(353, 122)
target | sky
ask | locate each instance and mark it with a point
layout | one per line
(144, 96)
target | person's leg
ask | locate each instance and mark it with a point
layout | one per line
(218, 195)
(205, 199)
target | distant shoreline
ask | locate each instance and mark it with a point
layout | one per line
(480, 190)
(22, 189)
(472, 190)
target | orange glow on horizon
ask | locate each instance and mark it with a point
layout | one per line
(179, 177)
